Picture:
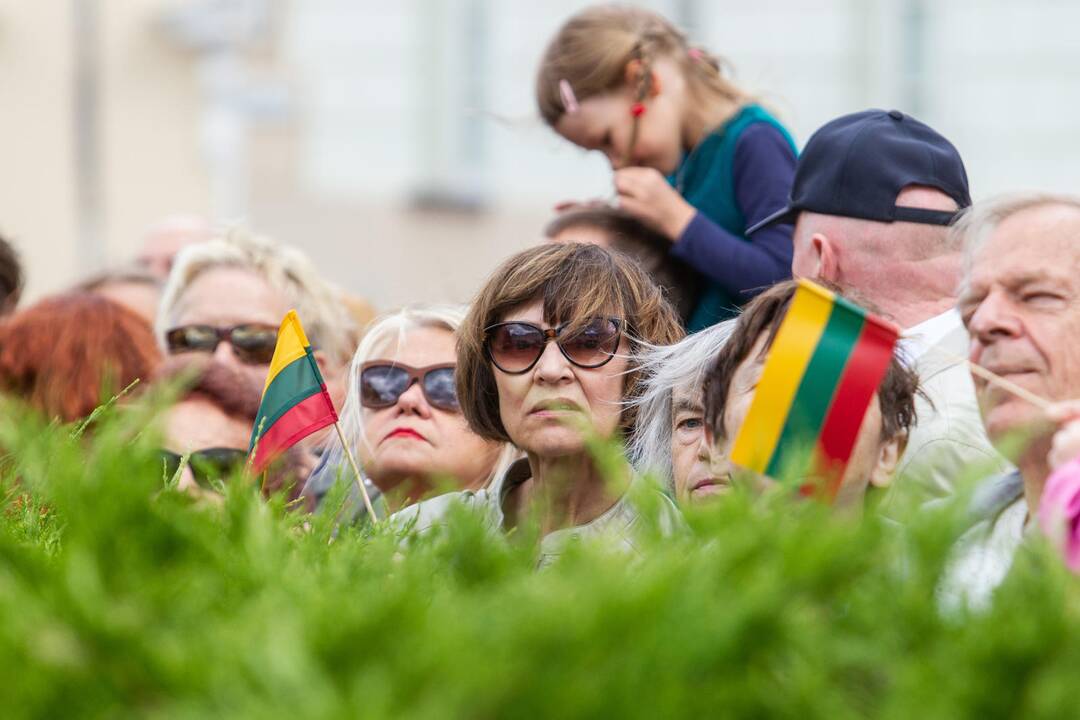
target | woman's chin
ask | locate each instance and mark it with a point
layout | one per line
(549, 439)
(557, 447)
(393, 471)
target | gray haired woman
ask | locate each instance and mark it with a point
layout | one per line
(669, 440)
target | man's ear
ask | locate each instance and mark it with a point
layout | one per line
(828, 266)
(888, 460)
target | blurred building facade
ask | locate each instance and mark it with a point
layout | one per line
(397, 142)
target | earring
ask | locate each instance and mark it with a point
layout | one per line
(637, 109)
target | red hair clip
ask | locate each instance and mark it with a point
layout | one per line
(637, 109)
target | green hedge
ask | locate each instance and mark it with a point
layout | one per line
(118, 598)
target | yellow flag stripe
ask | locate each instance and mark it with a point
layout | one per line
(785, 366)
(292, 344)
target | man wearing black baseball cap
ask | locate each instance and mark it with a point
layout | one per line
(856, 165)
(873, 196)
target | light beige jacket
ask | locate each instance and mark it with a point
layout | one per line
(620, 525)
(948, 443)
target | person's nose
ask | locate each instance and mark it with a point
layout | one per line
(553, 367)
(704, 448)
(719, 462)
(413, 402)
(717, 448)
(224, 353)
(994, 319)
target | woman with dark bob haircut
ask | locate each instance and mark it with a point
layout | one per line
(547, 358)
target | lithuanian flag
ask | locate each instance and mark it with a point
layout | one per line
(826, 362)
(294, 402)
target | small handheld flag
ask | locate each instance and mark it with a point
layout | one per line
(295, 402)
(826, 362)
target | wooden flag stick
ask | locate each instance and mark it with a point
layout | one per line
(995, 379)
(356, 473)
(1009, 386)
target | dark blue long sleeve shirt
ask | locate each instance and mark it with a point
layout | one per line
(763, 169)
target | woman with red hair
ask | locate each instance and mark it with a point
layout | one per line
(68, 353)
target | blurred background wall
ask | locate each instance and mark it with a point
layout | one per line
(397, 141)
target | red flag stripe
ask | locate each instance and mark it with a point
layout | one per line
(311, 414)
(865, 369)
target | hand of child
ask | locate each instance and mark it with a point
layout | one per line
(646, 194)
(1066, 443)
(1059, 507)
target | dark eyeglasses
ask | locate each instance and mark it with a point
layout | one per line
(515, 347)
(253, 343)
(382, 383)
(207, 465)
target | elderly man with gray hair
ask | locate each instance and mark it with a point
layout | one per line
(1020, 301)
(873, 195)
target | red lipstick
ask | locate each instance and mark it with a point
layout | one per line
(405, 433)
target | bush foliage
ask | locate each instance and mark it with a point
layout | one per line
(120, 597)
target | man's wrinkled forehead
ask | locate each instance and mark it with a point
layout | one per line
(1030, 246)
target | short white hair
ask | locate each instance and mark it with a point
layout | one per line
(285, 268)
(978, 223)
(666, 368)
(391, 330)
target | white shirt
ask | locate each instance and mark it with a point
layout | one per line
(917, 339)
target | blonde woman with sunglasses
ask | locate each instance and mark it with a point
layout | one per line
(402, 417)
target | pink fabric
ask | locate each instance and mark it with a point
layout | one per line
(1059, 512)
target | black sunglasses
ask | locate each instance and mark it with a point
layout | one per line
(382, 383)
(253, 343)
(515, 347)
(207, 465)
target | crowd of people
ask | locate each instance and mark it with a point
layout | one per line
(645, 321)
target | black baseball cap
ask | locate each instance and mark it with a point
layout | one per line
(856, 165)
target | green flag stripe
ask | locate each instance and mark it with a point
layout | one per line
(296, 382)
(815, 393)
